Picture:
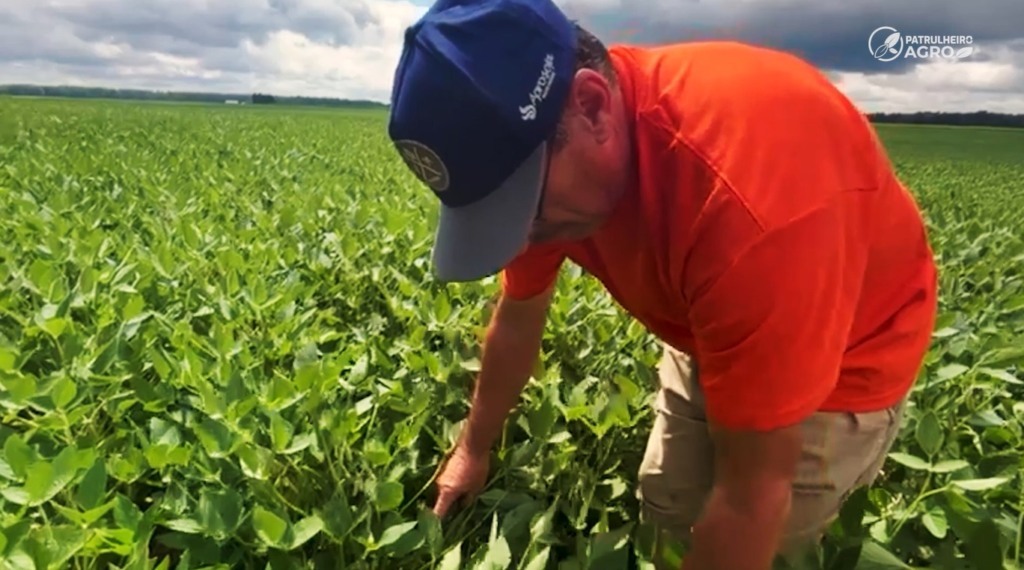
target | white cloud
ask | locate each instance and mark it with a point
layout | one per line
(292, 63)
(331, 48)
(895, 94)
(995, 84)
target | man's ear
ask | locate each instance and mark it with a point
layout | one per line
(591, 99)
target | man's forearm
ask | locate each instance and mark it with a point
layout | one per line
(506, 366)
(758, 526)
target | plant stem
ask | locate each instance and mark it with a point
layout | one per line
(1020, 526)
(920, 497)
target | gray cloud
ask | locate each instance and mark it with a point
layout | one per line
(328, 22)
(348, 48)
(21, 43)
(176, 25)
(832, 34)
(234, 45)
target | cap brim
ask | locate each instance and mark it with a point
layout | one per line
(477, 240)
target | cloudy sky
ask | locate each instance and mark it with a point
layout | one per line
(348, 48)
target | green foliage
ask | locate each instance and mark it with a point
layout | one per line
(221, 346)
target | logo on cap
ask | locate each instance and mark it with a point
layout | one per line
(424, 163)
(540, 89)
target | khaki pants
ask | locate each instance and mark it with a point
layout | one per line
(842, 451)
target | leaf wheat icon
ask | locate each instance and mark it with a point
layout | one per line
(888, 45)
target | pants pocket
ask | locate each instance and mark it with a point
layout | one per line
(676, 474)
(842, 451)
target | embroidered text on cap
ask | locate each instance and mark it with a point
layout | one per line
(540, 90)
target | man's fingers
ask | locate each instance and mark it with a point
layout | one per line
(445, 500)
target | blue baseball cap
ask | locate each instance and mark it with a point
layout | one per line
(478, 91)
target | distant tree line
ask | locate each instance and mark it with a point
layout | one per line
(977, 118)
(183, 96)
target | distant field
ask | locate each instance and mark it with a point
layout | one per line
(940, 142)
(221, 347)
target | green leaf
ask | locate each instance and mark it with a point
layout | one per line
(54, 327)
(394, 532)
(1004, 357)
(86, 517)
(337, 516)
(935, 521)
(1002, 375)
(542, 418)
(389, 496)
(540, 560)
(929, 433)
(452, 559)
(280, 431)
(949, 465)
(126, 513)
(987, 418)
(256, 461)
(851, 514)
(950, 371)
(5, 470)
(306, 529)
(8, 359)
(498, 555)
(215, 437)
(16, 495)
(45, 479)
(980, 484)
(63, 392)
(610, 549)
(910, 461)
(430, 524)
(187, 526)
(60, 543)
(43, 275)
(19, 455)
(93, 486)
(269, 527)
(874, 556)
(162, 455)
(220, 511)
(21, 388)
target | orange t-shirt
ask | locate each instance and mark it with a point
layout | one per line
(766, 235)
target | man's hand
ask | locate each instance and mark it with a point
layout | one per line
(509, 352)
(749, 505)
(462, 477)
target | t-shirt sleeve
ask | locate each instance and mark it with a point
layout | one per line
(771, 323)
(532, 271)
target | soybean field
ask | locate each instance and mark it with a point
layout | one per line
(221, 346)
